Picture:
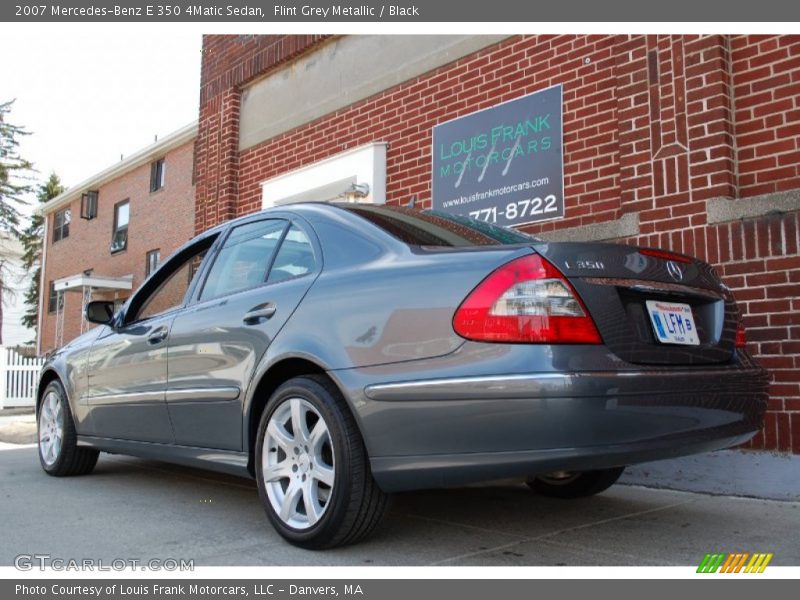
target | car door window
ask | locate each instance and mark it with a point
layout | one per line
(175, 277)
(295, 257)
(243, 260)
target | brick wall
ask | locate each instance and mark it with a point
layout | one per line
(228, 62)
(162, 219)
(654, 126)
(766, 86)
(764, 265)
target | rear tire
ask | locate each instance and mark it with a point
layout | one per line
(563, 484)
(59, 453)
(312, 468)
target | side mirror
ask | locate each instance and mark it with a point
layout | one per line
(100, 311)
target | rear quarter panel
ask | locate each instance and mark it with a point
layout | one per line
(396, 308)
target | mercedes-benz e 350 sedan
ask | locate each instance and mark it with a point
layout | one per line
(338, 353)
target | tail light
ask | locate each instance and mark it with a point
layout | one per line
(741, 336)
(525, 301)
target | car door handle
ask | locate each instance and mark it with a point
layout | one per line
(158, 335)
(258, 313)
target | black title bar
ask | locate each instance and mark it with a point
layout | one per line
(315, 11)
(387, 589)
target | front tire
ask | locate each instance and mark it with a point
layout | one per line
(566, 484)
(312, 468)
(59, 453)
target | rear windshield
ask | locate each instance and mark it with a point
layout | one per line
(433, 228)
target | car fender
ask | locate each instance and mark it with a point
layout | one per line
(50, 371)
(274, 355)
(70, 364)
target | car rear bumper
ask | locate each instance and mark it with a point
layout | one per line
(452, 431)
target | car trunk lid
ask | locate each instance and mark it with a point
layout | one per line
(616, 283)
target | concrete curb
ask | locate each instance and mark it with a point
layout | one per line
(767, 475)
(22, 410)
(17, 426)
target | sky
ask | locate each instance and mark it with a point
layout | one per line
(90, 95)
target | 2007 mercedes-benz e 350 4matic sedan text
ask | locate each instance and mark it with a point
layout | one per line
(340, 352)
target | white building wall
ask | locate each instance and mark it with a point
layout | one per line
(16, 283)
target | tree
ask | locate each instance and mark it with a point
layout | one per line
(6, 294)
(15, 174)
(32, 239)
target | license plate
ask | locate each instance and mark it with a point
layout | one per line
(673, 322)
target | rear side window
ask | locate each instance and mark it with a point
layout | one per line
(295, 258)
(431, 228)
(243, 260)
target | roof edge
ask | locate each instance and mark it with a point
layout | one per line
(145, 155)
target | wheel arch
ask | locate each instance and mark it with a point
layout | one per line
(47, 376)
(265, 384)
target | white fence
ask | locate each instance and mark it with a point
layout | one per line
(18, 378)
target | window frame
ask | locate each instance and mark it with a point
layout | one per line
(201, 288)
(158, 174)
(116, 228)
(147, 268)
(59, 230)
(52, 298)
(207, 243)
(208, 264)
(315, 255)
(89, 204)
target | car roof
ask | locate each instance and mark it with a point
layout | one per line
(299, 208)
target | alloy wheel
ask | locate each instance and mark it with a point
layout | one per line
(51, 428)
(298, 464)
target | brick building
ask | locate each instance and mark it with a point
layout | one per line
(684, 142)
(104, 235)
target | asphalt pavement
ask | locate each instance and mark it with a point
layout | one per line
(137, 509)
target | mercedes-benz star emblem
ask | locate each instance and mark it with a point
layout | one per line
(674, 270)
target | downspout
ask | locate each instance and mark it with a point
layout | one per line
(40, 321)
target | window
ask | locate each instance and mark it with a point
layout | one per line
(194, 267)
(295, 257)
(89, 205)
(157, 174)
(168, 293)
(432, 228)
(52, 299)
(243, 261)
(119, 237)
(61, 224)
(118, 304)
(151, 262)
